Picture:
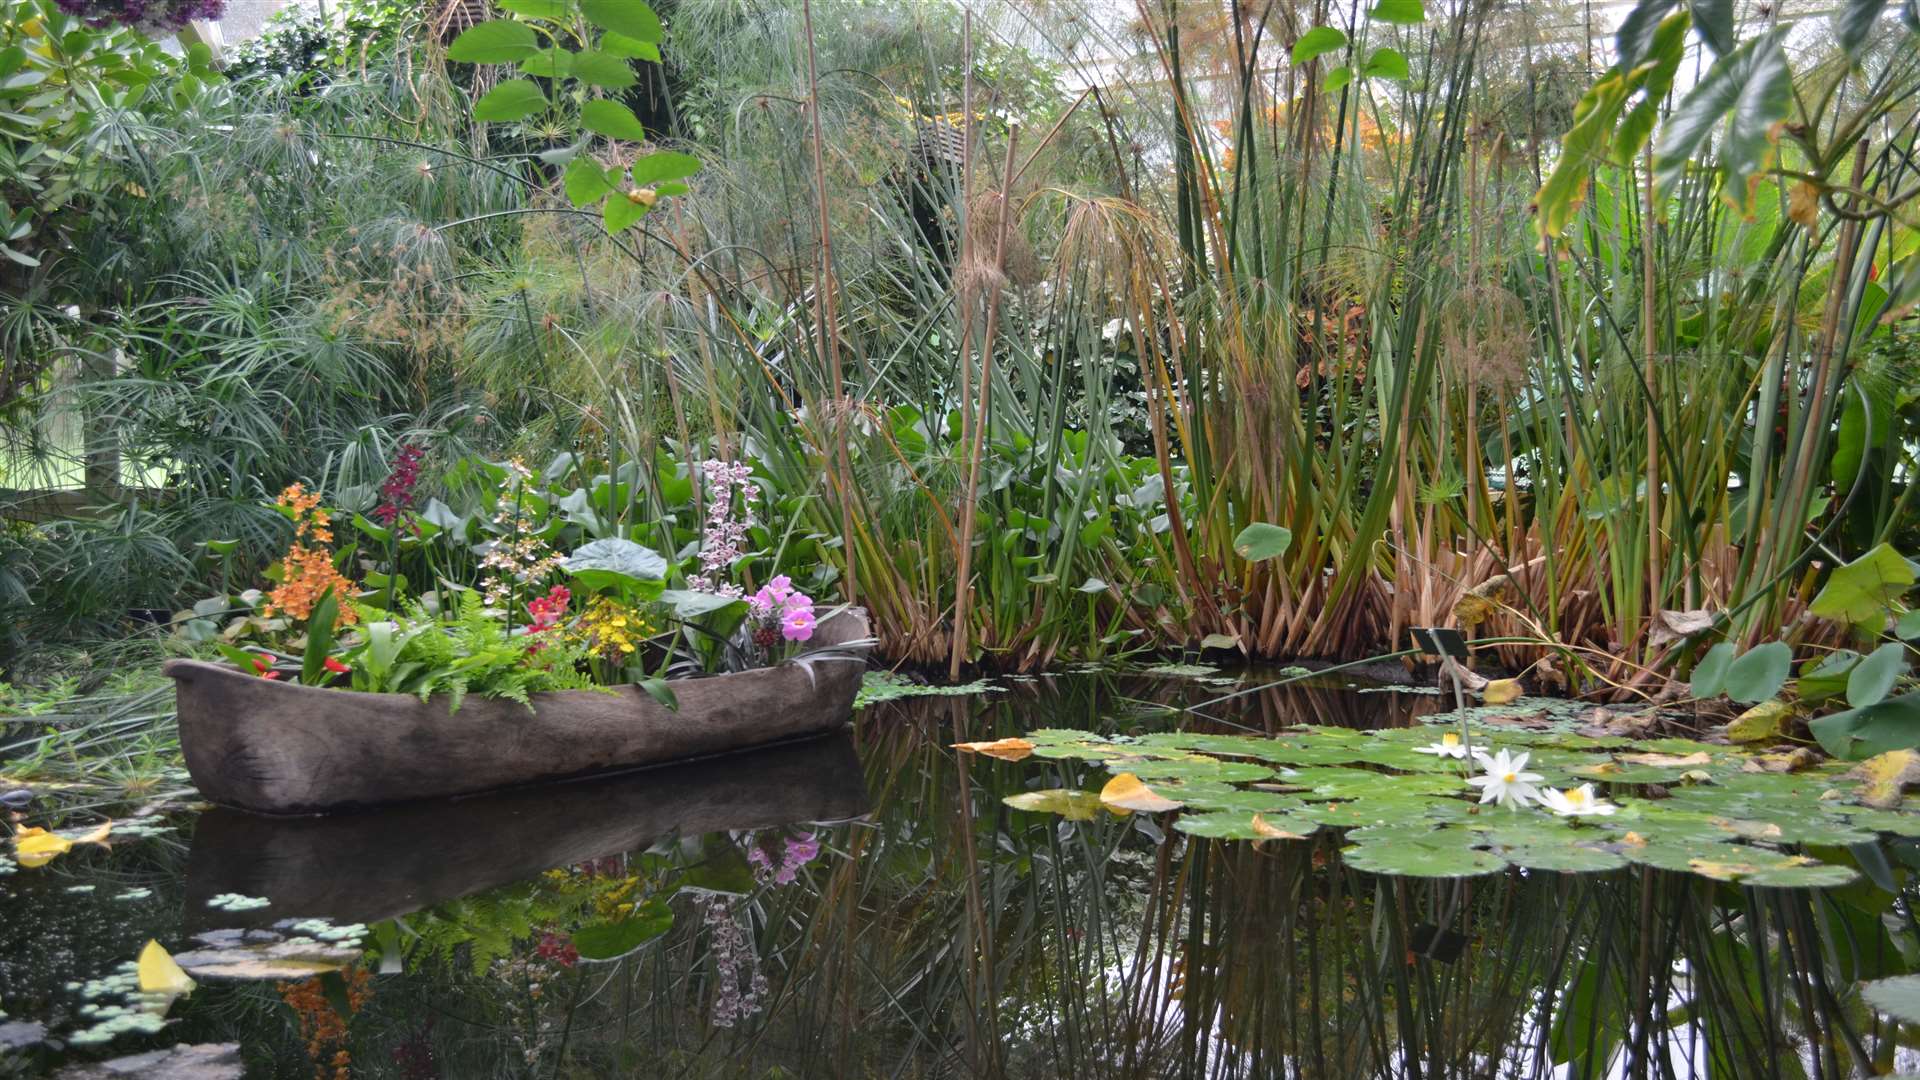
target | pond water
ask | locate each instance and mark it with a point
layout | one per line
(868, 905)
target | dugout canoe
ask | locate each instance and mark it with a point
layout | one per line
(275, 747)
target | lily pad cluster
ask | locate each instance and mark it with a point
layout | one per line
(1680, 805)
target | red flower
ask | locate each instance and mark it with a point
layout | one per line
(269, 674)
(335, 666)
(263, 667)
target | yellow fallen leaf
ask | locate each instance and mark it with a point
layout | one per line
(1501, 691)
(159, 974)
(34, 846)
(1273, 832)
(1004, 749)
(1127, 792)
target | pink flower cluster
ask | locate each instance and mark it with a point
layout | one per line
(780, 606)
(548, 610)
(725, 538)
(735, 998)
(799, 851)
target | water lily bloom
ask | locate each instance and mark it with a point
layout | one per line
(335, 666)
(1576, 802)
(1506, 780)
(1448, 746)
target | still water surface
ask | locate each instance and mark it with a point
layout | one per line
(867, 906)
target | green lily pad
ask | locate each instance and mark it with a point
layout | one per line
(1898, 997)
(1422, 860)
(1809, 876)
(1069, 804)
(1239, 825)
(1228, 772)
(1566, 858)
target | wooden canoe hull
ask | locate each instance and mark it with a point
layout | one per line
(378, 864)
(280, 748)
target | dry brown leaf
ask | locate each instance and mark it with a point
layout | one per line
(1273, 832)
(1803, 204)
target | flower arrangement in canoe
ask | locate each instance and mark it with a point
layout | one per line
(307, 572)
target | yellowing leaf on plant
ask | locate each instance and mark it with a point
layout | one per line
(1069, 804)
(1273, 832)
(1127, 792)
(1004, 749)
(1501, 692)
(159, 974)
(1479, 603)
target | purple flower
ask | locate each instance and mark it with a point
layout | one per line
(797, 624)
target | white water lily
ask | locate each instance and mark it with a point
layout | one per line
(1506, 780)
(1576, 802)
(1449, 746)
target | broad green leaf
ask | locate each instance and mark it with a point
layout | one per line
(1892, 724)
(688, 604)
(1633, 42)
(1854, 22)
(664, 165)
(601, 69)
(1898, 997)
(1652, 80)
(1826, 677)
(1337, 78)
(1401, 12)
(498, 41)
(661, 691)
(1714, 20)
(515, 99)
(1387, 64)
(548, 64)
(1260, 541)
(555, 10)
(313, 669)
(1422, 861)
(629, 18)
(1872, 679)
(614, 939)
(622, 211)
(1862, 592)
(1584, 148)
(585, 181)
(1908, 626)
(628, 48)
(1564, 858)
(1710, 674)
(1760, 672)
(612, 119)
(1317, 42)
(1746, 95)
(1240, 825)
(615, 563)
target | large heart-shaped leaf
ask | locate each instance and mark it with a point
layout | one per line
(1862, 592)
(1747, 95)
(616, 938)
(596, 68)
(1893, 724)
(1760, 672)
(1316, 42)
(1872, 679)
(664, 165)
(615, 563)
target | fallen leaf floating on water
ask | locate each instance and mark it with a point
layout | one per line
(1501, 691)
(159, 974)
(1885, 776)
(1127, 792)
(1004, 749)
(34, 846)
